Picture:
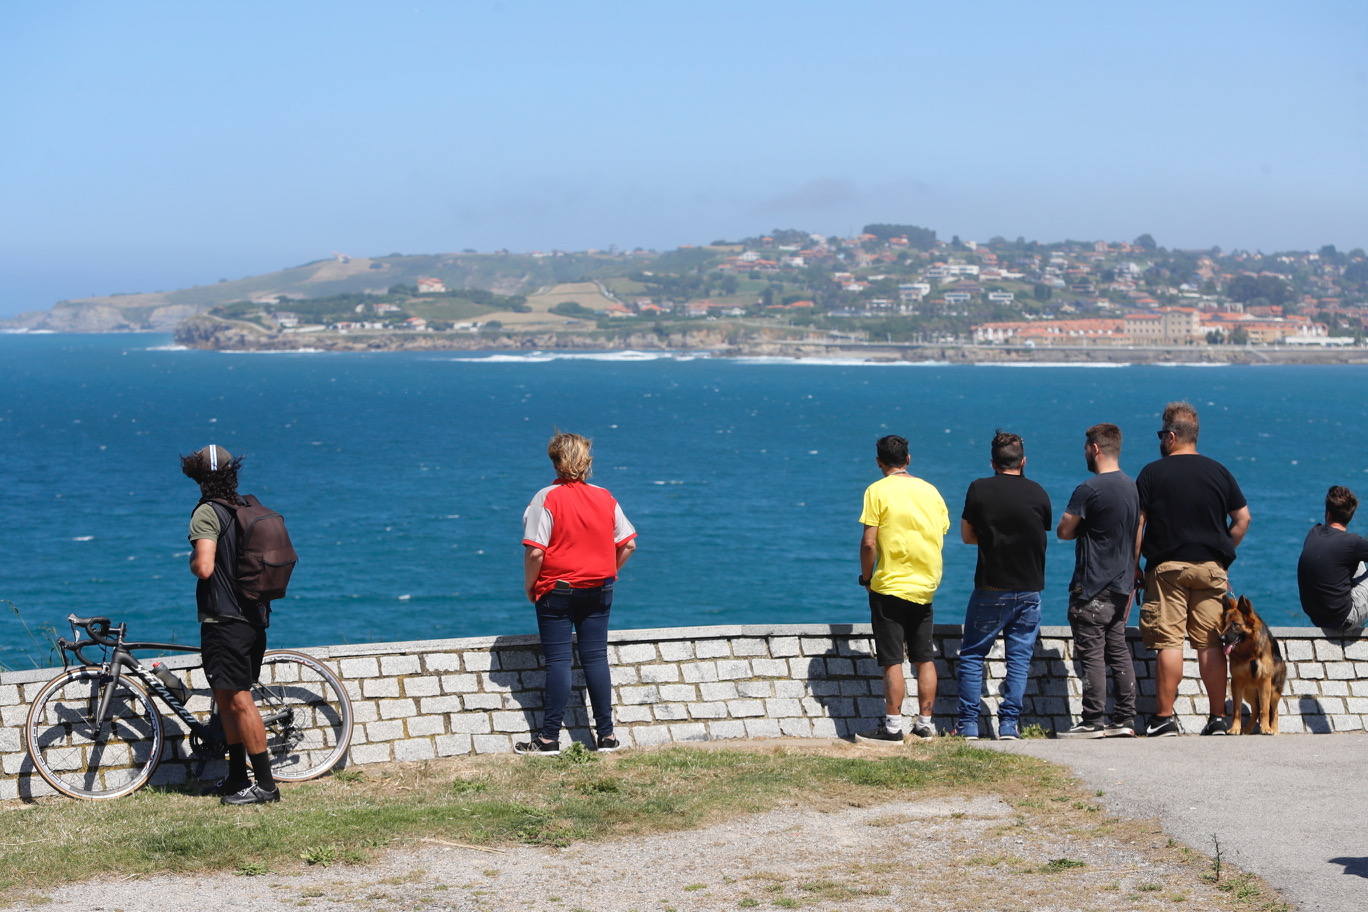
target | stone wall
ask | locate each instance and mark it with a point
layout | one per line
(440, 698)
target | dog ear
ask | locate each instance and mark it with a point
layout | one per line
(1229, 601)
(1245, 606)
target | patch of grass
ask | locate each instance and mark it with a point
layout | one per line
(320, 855)
(1034, 730)
(253, 869)
(349, 775)
(1055, 865)
(689, 888)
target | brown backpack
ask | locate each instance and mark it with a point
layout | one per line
(265, 555)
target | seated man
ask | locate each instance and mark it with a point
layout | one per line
(1330, 573)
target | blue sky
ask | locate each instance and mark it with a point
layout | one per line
(153, 145)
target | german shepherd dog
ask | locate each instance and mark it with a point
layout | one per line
(1257, 669)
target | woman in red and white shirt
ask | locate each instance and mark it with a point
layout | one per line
(576, 539)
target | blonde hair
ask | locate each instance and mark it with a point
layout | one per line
(572, 455)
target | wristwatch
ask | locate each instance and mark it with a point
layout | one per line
(864, 581)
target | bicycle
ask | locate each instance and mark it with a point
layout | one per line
(94, 731)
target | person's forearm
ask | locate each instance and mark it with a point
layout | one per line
(868, 556)
(1237, 532)
(624, 552)
(1239, 525)
(532, 564)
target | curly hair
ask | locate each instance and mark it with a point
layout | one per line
(220, 485)
(572, 455)
(1008, 450)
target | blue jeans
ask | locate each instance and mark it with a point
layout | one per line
(1015, 615)
(586, 611)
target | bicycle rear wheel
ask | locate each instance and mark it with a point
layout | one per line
(307, 713)
(82, 759)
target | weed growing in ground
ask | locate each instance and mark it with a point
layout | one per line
(1055, 865)
(323, 855)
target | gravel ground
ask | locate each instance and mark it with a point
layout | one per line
(950, 853)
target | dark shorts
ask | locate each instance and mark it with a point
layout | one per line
(232, 652)
(902, 630)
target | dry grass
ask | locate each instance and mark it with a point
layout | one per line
(1048, 841)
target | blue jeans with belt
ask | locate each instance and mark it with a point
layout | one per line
(1015, 615)
(585, 611)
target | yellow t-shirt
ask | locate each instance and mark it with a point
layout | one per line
(912, 521)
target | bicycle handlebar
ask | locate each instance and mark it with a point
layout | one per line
(97, 627)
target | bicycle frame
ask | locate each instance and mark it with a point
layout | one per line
(123, 658)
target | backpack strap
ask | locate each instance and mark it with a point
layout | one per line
(228, 522)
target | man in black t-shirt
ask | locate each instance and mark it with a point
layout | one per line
(1007, 516)
(1331, 575)
(1192, 517)
(1101, 520)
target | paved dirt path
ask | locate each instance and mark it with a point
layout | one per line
(1290, 808)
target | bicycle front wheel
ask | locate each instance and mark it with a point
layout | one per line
(307, 713)
(85, 758)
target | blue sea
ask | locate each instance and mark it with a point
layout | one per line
(403, 476)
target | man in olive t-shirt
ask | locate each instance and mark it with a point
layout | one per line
(232, 629)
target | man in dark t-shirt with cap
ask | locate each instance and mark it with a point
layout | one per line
(232, 629)
(1193, 515)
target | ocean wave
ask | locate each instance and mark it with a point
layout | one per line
(165, 348)
(1089, 364)
(84, 538)
(505, 359)
(833, 362)
(539, 357)
(273, 351)
(1190, 364)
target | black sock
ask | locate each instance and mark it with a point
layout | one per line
(261, 768)
(237, 763)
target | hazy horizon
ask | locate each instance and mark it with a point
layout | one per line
(164, 146)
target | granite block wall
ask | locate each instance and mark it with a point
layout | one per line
(439, 698)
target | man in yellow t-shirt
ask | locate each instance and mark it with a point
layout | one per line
(905, 521)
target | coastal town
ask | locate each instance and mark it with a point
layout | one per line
(902, 283)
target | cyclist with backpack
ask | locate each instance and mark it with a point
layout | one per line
(242, 558)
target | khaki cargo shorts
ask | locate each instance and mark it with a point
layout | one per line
(1183, 598)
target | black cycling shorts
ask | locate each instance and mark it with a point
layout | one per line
(902, 630)
(232, 652)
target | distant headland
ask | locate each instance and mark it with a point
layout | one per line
(893, 292)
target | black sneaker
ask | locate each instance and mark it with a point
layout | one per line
(1119, 730)
(227, 786)
(252, 794)
(923, 730)
(1216, 725)
(536, 747)
(1162, 727)
(880, 735)
(608, 743)
(1084, 730)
